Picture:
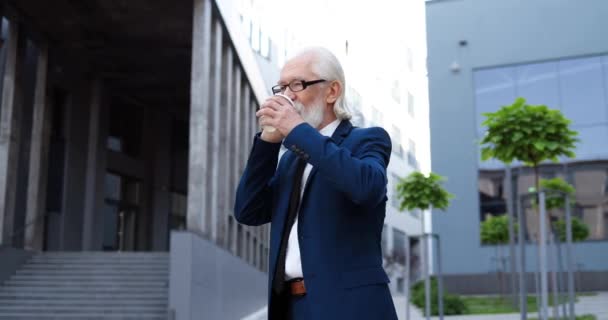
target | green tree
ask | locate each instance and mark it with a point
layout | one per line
(556, 200)
(495, 231)
(580, 231)
(418, 191)
(531, 134)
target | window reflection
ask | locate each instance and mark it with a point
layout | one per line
(578, 87)
(590, 180)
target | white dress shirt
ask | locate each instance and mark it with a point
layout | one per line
(293, 263)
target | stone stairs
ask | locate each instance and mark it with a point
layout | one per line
(88, 285)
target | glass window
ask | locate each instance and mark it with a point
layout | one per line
(591, 199)
(410, 59)
(539, 84)
(384, 240)
(494, 88)
(594, 141)
(411, 154)
(113, 187)
(582, 90)
(396, 91)
(410, 104)
(605, 73)
(393, 192)
(396, 137)
(179, 204)
(125, 133)
(491, 196)
(399, 245)
(400, 285)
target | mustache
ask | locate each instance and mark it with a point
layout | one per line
(299, 107)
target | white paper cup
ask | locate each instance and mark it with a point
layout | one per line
(273, 129)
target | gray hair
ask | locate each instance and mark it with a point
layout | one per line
(328, 67)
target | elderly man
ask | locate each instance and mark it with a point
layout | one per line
(325, 198)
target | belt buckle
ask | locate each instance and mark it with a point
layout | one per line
(297, 287)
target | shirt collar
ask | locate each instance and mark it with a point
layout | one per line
(329, 129)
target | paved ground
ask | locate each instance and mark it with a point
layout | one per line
(596, 305)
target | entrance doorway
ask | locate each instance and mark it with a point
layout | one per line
(122, 202)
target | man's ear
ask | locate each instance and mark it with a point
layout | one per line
(334, 91)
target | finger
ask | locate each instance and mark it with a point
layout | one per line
(282, 100)
(273, 104)
(268, 112)
(267, 121)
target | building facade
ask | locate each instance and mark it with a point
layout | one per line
(122, 123)
(483, 55)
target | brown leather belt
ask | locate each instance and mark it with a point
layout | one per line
(296, 287)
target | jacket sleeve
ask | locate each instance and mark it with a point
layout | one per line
(253, 202)
(361, 176)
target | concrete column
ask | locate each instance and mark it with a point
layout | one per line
(9, 136)
(94, 168)
(215, 209)
(246, 114)
(161, 180)
(36, 186)
(226, 138)
(234, 147)
(199, 117)
(75, 175)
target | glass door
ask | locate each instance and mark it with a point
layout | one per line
(121, 208)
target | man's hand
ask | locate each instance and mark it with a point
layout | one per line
(277, 112)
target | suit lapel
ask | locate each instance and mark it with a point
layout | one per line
(278, 221)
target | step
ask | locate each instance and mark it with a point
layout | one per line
(98, 259)
(53, 290)
(86, 278)
(78, 268)
(105, 253)
(81, 316)
(105, 263)
(88, 272)
(99, 256)
(84, 303)
(83, 296)
(85, 284)
(90, 309)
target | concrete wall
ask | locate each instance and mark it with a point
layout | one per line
(207, 282)
(11, 259)
(496, 33)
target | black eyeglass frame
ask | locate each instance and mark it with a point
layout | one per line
(279, 88)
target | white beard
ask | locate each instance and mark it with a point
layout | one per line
(313, 115)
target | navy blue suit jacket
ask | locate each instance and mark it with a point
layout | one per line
(340, 219)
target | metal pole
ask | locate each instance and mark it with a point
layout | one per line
(542, 248)
(439, 277)
(537, 284)
(569, 259)
(407, 277)
(523, 289)
(553, 268)
(512, 256)
(560, 279)
(427, 280)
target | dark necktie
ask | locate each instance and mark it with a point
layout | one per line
(292, 213)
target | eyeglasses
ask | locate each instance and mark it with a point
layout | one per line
(295, 86)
